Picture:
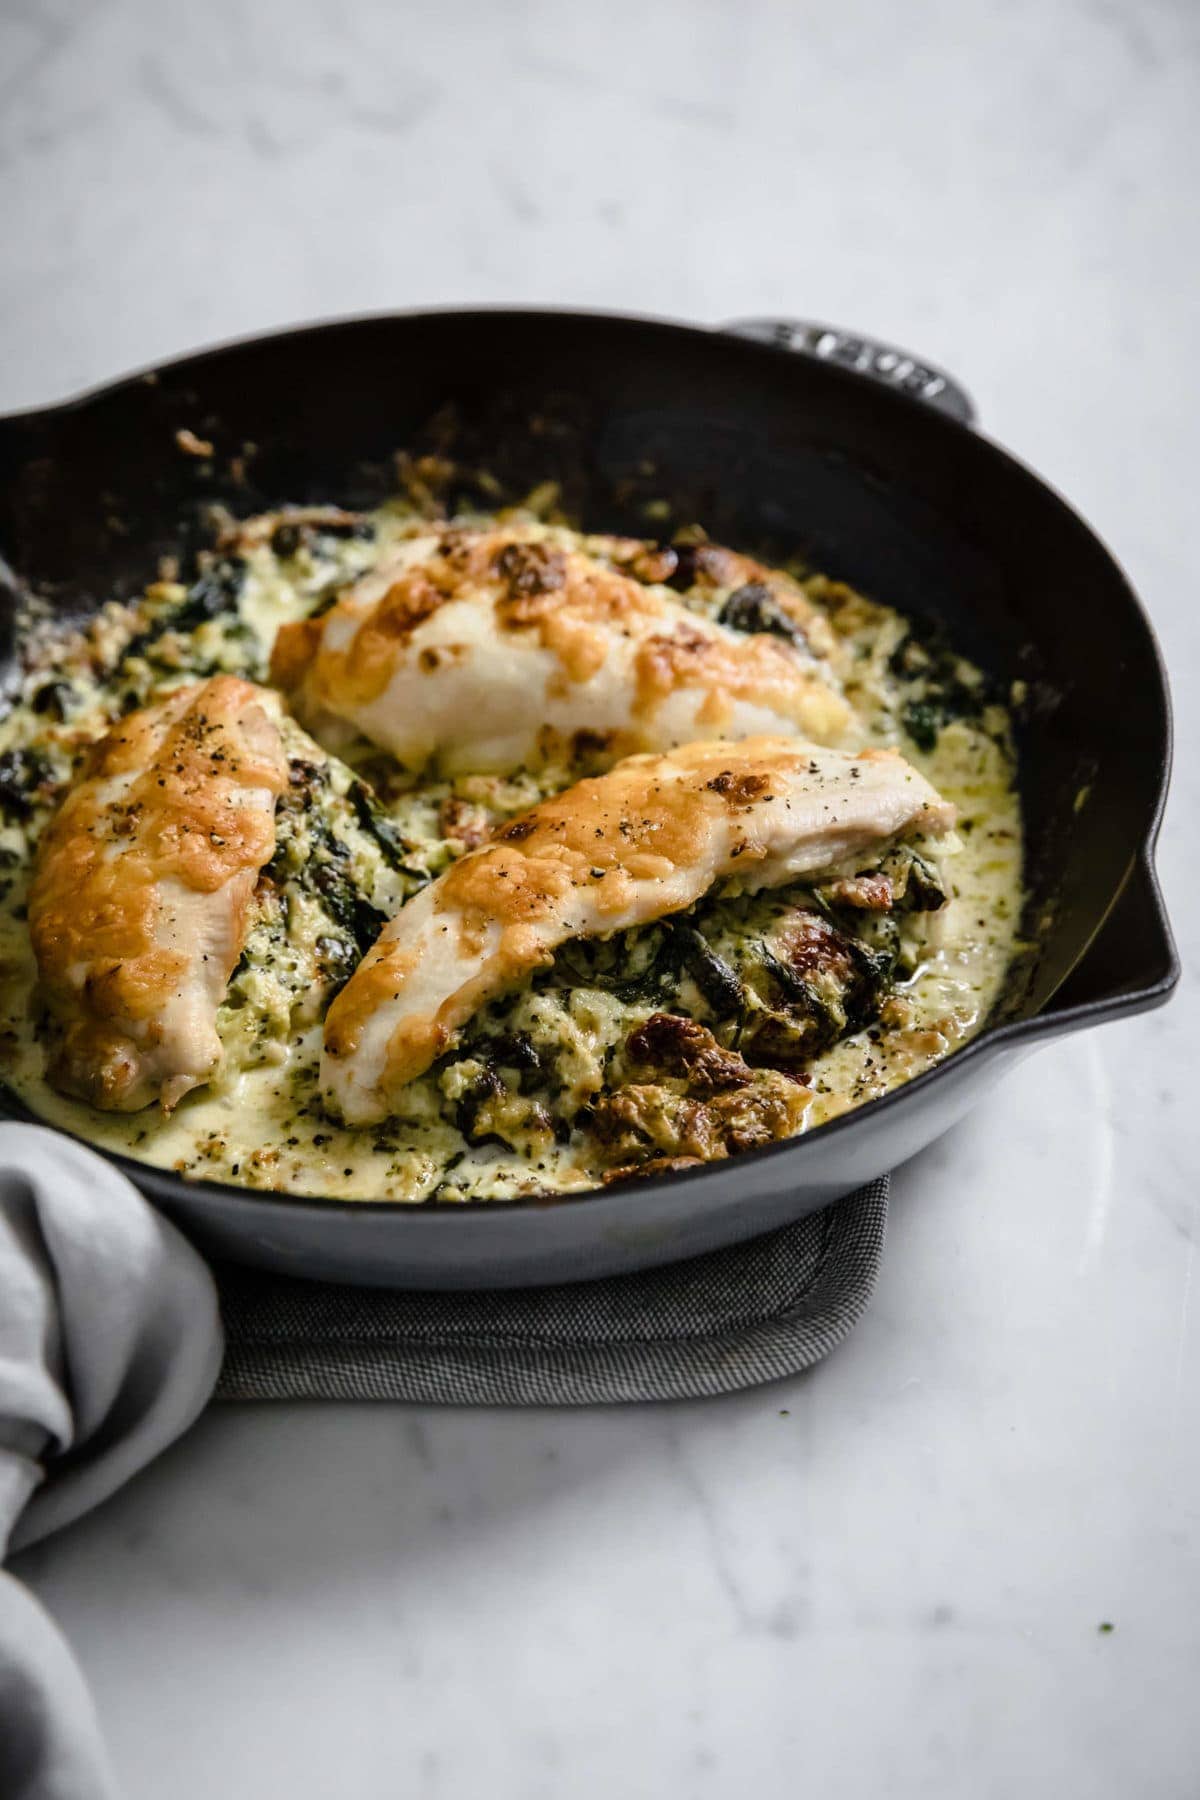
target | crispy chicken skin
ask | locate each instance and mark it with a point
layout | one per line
(142, 889)
(492, 650)
(646, 839)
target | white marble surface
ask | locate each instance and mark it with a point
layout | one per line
(889, 1577)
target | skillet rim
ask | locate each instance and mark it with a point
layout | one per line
(992, 1039)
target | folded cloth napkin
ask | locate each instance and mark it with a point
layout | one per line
(110, 1344)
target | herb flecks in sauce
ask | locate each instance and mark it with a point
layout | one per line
(746, 1018)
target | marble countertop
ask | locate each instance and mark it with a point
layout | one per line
(898, 1574)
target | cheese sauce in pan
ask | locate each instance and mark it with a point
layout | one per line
(574, 1075)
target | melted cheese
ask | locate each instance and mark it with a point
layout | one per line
(143, 887)
(260, 1120)
(645, 840)
(497, 650)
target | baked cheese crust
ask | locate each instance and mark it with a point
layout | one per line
(645, 840)
(142, 891)
(501, 649)
(539, 795)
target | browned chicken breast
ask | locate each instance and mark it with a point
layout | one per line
(500, 649)
(142, 890)
(646, 840)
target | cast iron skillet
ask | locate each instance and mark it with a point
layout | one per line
(857, 455)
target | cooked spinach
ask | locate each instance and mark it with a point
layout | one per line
(486, 1086)
(309, 852)
(754, 608)
(53, 699)
(396, 848)
(22, 772)
(633, 966)
(714, 977)
(751, 994)
(331, 879)
(924, 889)
(923, 721)
(939, 686)
(214, 593)
(648, 964)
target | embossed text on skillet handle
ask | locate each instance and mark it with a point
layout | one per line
(866, 356)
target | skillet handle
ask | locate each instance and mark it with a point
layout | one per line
(1130, 965)
(878, 361)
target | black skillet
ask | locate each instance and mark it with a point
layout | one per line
(778, 436)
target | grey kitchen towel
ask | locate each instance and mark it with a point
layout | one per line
(752, 1313)
(110, 1342)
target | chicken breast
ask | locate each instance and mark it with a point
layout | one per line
(646, 839)
(495, 650)
(142, 890)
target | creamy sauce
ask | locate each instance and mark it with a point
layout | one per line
(261, 1123)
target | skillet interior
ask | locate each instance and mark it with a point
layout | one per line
(772, 451)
